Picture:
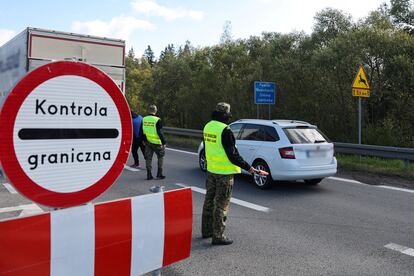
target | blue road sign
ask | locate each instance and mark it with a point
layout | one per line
(264, 92)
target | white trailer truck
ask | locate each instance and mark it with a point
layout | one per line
(35, 47)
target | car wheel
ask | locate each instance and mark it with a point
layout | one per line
(313, 181)
(202, 161)
(262, 181)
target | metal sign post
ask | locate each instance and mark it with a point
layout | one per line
(359, 120)
(269, 112)
(360, 88)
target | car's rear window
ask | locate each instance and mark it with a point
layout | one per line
(258, 133)
(305, 135)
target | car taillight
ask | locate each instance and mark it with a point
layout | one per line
(287, 153)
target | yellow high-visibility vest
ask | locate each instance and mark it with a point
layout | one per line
(150, 129)
(217, 160)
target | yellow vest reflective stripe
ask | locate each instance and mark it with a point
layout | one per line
(150, 129)
(217, 160)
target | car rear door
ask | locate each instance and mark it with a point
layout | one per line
(310, 145)
(250, 140)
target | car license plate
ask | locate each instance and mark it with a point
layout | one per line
(315, 153)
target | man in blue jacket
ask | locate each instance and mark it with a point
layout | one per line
(137, 141)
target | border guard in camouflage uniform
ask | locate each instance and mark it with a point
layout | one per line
(154, 141)
(223, 161)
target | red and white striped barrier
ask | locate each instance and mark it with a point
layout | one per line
(124, 237)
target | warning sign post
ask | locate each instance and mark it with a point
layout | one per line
(66, 134)
(360, 88)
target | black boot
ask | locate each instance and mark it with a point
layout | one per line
(149, 175)
(159, 174)
(221, 241)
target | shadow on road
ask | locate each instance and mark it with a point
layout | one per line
(279, 188)
(243, 184)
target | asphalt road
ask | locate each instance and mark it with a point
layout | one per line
(335, 228)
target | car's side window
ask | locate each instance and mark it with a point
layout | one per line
(236, 128)
(270, 134)
(251, 132)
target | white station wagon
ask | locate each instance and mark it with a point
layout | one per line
(286, 149)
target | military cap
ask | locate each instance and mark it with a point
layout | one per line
(223, 107)
(152, 108)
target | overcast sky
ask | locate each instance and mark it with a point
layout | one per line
(160, 22)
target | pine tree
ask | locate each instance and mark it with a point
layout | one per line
(149, 55)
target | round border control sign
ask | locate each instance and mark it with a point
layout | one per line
(65, 134)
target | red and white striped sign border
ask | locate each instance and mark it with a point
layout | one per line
(124, 237)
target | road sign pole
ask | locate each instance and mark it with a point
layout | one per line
(359, 120)
(360, 88)
(269, 111)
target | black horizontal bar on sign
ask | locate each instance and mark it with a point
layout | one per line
(67, 133)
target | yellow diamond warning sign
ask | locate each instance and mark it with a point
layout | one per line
(360, 81)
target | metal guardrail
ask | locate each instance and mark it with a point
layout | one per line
(377, 151)
(195, 133)
(406, 154)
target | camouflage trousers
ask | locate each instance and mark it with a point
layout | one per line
(149, 152)
(216, 204)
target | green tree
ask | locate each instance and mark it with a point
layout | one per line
(313, 74)
(149, 55)
(402, 12)
(227, 35)
(329, 23)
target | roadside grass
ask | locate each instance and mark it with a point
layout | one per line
(375, 165)
(392, 167)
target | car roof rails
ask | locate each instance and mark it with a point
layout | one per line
(300, 122)
(277, 121)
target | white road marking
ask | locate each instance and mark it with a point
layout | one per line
(346, 180)
(378, 186)
(10, 209)
(397, 189)
(402, 249)
(131, 169)
(183, 151)
(232, 200)
(28, 209)
(10, 188)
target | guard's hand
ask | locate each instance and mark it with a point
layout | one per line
(163, 146)
(253, 170)
(263, 172)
